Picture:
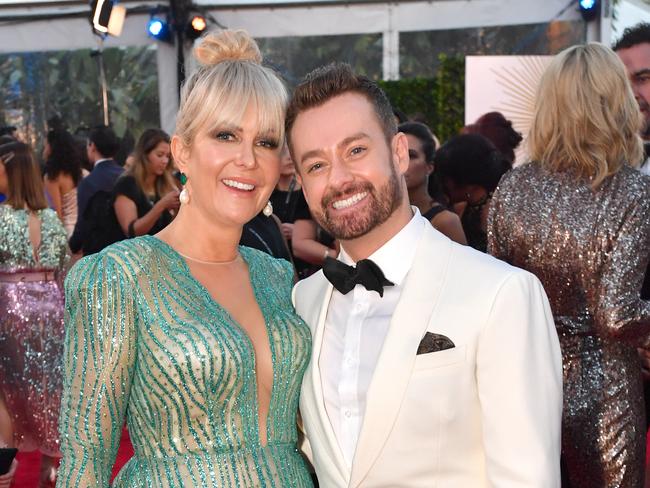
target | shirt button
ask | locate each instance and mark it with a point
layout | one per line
(348, 360)
(348, 414)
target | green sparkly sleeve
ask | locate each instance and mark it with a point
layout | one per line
(98, 364)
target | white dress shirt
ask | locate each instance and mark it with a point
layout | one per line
(355, 329)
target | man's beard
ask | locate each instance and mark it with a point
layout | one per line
(385, 201)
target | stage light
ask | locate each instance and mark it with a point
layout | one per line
(195, 27)
(106, 17)
(158, 28)
(589, 9)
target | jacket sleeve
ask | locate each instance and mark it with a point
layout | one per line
(519, 376)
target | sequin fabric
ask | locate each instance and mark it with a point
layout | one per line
(589, 248)
(145, 342)
(31, 330)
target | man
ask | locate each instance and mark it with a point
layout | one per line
(447, 375)
(634, 50)
(94, 228)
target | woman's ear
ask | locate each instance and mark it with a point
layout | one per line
(180, 153)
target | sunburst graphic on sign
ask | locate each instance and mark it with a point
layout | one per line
(519, 87)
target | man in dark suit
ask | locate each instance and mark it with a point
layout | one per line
(94, 190)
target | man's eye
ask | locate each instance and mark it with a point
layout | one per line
(314, 167)
(357, 150)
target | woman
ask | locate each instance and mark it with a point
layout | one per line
(33, 246)
(577, 217)
(146, 195)
(188, 336)
(421, 149)
(469, 168)
(499, 131)
(62, 175)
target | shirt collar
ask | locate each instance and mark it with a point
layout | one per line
(396, 257)
(99, 161)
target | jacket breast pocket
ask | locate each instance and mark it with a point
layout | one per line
(440, 359)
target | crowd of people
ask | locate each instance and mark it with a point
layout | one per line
(307, 288)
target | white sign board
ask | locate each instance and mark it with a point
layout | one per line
(505, 84)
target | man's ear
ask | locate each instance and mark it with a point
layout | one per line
(180, 152)
(400, 149)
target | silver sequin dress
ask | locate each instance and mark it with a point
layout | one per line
(31, 330)
(146, 342)
(589, 249)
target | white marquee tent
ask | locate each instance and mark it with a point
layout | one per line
(41, 25)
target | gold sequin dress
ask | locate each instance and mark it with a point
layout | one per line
(31, 329)
(146, 343)
(589, 248)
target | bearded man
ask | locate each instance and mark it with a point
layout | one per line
(433, 364)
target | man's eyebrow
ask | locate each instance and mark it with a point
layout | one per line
(314, 153)
(641, 72)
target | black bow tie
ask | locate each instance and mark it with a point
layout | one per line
(344, 277)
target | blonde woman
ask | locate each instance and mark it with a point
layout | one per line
(189, 337)
(146, 196)
(578, 217)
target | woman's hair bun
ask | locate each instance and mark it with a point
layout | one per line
(227, 45)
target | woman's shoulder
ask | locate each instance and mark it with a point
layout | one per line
(126, 185)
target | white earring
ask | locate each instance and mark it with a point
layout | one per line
(184, 197)
(268, 209)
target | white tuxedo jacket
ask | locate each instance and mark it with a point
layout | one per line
(486, 413)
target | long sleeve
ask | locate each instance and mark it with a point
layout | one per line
(497, 244)
(98, 362)
(620, 309)
(519, 375)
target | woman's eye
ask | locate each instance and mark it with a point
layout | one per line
(225, 136)
(268, 143)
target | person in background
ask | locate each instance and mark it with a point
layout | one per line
(62, 175)
(94, 229)
(577, 217)
(146, 197)
(421, 150)
(33, 250)
(499, 131)
(469, 168)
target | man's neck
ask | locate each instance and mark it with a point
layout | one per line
(100, 160)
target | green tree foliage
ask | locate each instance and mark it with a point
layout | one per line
(36, 86)
(439, 102)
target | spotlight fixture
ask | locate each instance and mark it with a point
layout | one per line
(196, 26)
(158, 26)
(589, 9)
(106, 17)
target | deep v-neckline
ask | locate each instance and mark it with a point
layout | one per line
(214, 304)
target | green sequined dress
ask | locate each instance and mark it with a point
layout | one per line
(145, 342)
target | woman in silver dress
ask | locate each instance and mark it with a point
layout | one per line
(578, 216)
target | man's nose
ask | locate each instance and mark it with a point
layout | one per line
(339, 174)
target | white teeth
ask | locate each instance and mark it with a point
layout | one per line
(348, 202)
(239, 185)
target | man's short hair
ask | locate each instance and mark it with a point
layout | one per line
(327, 82)
(632, 36)
(105, 141)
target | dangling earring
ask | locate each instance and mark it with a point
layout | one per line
(184, 197)
(268, 209)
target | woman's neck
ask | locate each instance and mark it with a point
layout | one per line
(421, 199)
(210, 241)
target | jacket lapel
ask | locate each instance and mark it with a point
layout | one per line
(313, 405)
(408, 325)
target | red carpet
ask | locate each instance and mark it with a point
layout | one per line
(29, 462)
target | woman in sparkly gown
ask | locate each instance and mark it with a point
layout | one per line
(185, 335)
(33, 246)
(578, 217)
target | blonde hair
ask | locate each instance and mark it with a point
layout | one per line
(586, 119)
(230, 78)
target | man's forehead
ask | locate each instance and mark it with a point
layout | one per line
(636, 58)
